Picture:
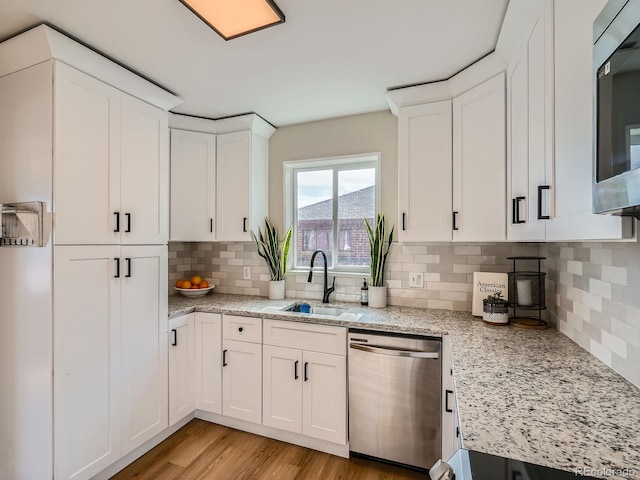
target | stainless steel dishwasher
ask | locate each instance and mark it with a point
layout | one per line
(394, 397)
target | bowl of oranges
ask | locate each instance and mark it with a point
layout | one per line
(196, 286)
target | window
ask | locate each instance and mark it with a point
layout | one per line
(327, 201)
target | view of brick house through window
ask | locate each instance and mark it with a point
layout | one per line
(319, 225)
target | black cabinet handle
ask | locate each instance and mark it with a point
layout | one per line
(295, 370)
(128, 215)
(455, 218)
(175, 337)
(244, 224)
(117, 229)
(541, 188)
(306, 365)
(404, 223)
(224, 358)
(240, 329)
(211, 225)
(447, 408)
(457, 432)
(128, 260)
(117, 275)
(516, 210)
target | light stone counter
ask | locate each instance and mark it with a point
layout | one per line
(530, 395)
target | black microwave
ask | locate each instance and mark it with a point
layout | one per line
(616, 175)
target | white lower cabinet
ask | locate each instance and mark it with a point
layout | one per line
(451, 440)
(208, 344)
(305, 391)
(182, 371)
(242, 380)
(110, 354)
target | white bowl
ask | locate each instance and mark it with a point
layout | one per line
(195, 292)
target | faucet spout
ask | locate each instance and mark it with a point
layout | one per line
(326, 290)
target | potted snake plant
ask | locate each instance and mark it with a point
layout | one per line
(380, 244)
(275, 251)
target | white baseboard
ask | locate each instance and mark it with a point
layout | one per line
(270, 432)
(141, 450)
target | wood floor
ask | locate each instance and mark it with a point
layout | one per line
(202, 450)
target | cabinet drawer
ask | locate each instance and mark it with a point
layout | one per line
(306, 336)
(243, 329)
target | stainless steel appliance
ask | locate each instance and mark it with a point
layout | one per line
(394, 397)
(471, 465)
(616, 60)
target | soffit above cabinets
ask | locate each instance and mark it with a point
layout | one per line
(331, 58)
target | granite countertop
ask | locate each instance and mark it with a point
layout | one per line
(531, 395)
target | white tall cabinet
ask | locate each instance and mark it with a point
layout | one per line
(224, 162)
(90, 139)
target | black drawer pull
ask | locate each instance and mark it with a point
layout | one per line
(447, 408)
(117, 275)
(541, 188)
(175, 337)
(306, 366)
(211, 225)
(128, 260)
(244, 224)
(240, 329)
(224, 358)
(295, 370)
(455, 218)
(128, 215)
(117, 229)
(516, 210)
(404, 221)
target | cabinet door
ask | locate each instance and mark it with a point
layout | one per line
(282, 388)
(479, 163)
(86, 359)
(233, 180)
(144, 343)
(424, 172)
(529, 131)
(86, 183)
(574, 130)
(209, 362)
(193, 186)
(324, 404)
(449, 413)
(182, 372)
(242, 380)
(144, 173)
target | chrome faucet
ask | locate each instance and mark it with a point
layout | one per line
(326, 291)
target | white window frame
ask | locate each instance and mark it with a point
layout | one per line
(345, 162)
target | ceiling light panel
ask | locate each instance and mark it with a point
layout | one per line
(233, 18)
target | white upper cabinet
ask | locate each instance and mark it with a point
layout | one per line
(479, 163)
(111, 170)
(424, 172)
(193, 176)
(226, 161)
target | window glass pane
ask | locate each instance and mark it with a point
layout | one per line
(315, 215)
(356, 200)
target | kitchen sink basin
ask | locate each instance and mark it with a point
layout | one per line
(328, 311)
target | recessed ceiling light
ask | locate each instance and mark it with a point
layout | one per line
(233, 18)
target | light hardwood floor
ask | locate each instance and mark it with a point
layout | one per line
(202, 450)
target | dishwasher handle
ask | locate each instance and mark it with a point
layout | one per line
(394, 352)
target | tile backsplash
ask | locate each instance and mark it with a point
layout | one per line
(593, 294)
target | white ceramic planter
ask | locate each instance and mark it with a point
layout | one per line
(377, 297)
(276, 289)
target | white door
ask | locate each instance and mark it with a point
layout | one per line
(193, 186)
(282, 388)
(182, 372)
(529, 133)
(86, 183)
(479, 163)
(449, 440)
(424, 172)
(86, 360)
(144, 173)
(209, 362)
(242, 380)
(233, 180)
(324, 404)
(143, 274)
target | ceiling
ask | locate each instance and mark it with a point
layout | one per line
(330, 58)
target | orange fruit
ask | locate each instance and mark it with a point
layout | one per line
(195, 280)
(204, 284)
(179, 283)
(186, 284)
(194, 287)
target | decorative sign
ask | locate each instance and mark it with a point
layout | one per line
(485, 284)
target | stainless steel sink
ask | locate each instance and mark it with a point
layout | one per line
(328, 311)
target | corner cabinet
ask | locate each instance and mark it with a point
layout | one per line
(425, 172)
(479, 163)
(227, 162)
